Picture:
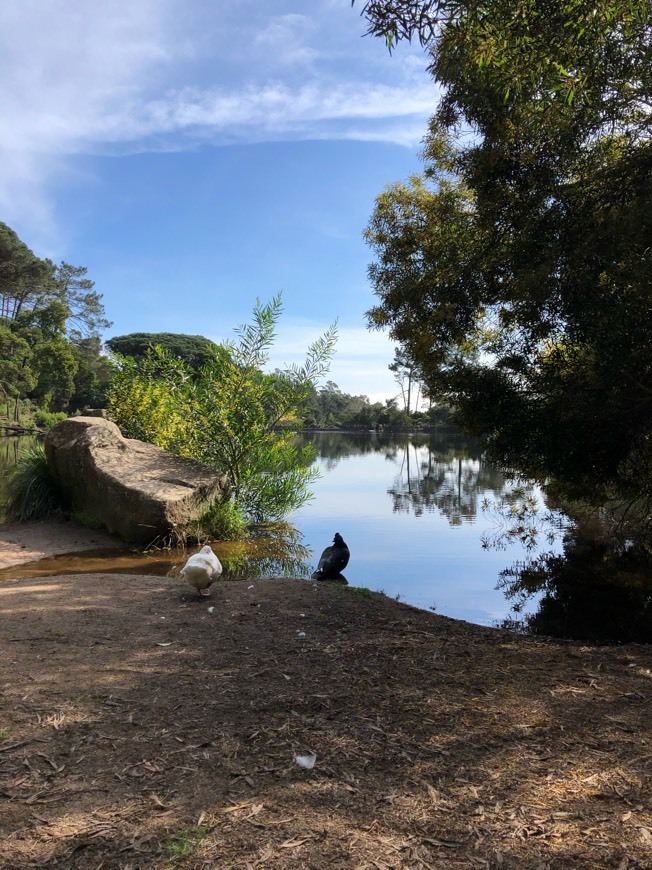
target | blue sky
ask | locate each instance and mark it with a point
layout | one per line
(198, 154)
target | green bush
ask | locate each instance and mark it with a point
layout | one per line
(31, 492)
(46, 419)
(231, 414)
(223, 522)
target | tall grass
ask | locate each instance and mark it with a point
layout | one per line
(31, 492)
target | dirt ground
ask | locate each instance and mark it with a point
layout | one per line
(27, 542)
(142, 727)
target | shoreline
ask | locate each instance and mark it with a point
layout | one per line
(41, 539)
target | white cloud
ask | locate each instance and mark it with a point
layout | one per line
(273, 110)
(83, 78)
(285, 38)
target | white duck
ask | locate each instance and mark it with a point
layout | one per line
(201, 570)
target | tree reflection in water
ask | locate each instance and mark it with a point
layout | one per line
(596, 590)
(447, 475)
(274, 550)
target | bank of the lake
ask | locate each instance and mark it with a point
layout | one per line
(21, 543)
(410, 507)
(430, 522)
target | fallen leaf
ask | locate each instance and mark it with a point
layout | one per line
(235, 807)
(294, 844)
(449, 844)
(158, 802)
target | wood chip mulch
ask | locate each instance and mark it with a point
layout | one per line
(139, 728)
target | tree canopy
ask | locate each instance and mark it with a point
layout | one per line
(50, 318)
(516, 270)
(192, 349)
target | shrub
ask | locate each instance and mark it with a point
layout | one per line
(231, 414)
(31, 493)
(46, 419)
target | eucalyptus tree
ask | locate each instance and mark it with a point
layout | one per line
(516, 270)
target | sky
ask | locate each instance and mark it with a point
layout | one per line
(198, 155)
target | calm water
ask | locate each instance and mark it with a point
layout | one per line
(411, 510)
(410, 507)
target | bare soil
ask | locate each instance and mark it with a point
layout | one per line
(140, 729)
(28, 542)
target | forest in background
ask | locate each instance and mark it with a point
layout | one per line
(53, 362)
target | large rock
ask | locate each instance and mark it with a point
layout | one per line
(138, 491)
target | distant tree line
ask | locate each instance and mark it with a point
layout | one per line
(330, 408)
(194, 350)
(53, 362)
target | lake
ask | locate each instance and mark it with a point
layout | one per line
(414, 509)
(429, 522)
(416, 512)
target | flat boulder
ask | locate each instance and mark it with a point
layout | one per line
(136, 490)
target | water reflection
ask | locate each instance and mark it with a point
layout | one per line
(429, 481)
(442, 471)
(596, 590)
(409, 506)
(427, 520)
(271, 552)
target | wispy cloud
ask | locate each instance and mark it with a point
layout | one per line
(269, 111)
(82, 78)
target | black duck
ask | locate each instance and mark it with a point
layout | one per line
(333, 560)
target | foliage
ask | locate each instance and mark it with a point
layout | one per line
(192, 349)
(149, 400)
(224, 521)
(29, 284)
(16, 375)
(89, 521)
(407, 376)
(229, 414)
(49, 322)
(93, 375)
(515, 272)
(31, 492)
(45, 420)
(330, 408)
